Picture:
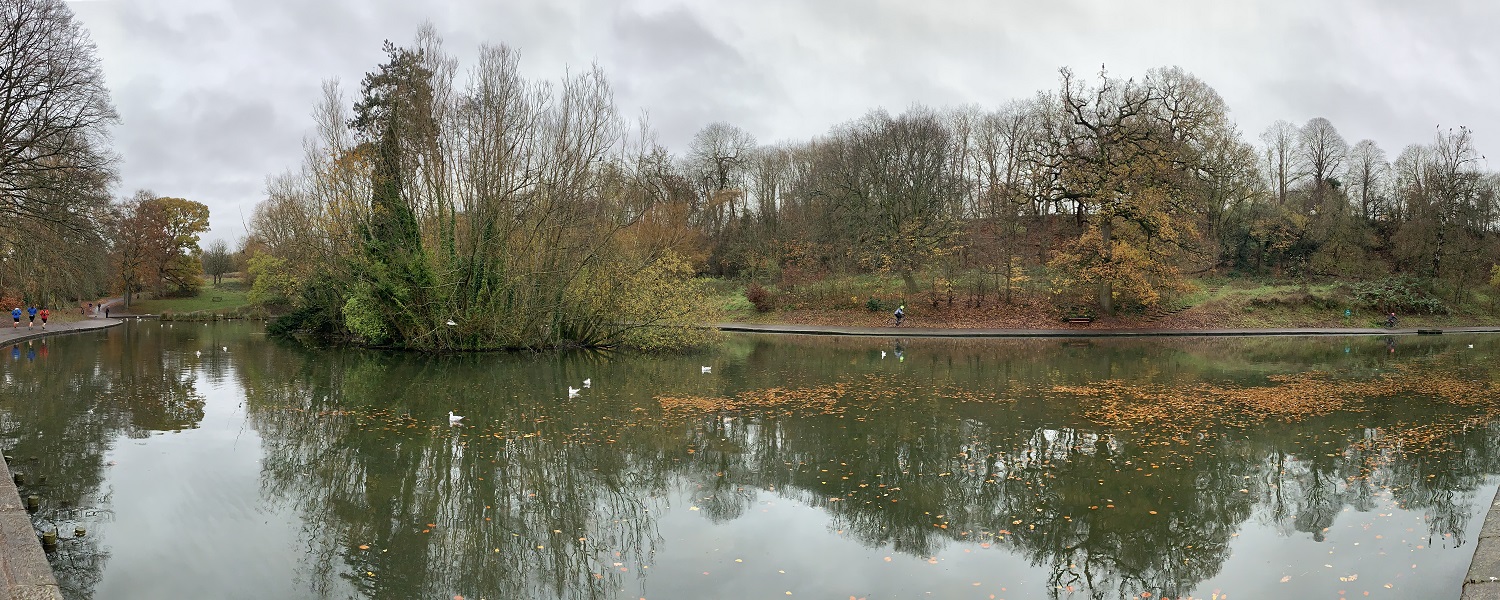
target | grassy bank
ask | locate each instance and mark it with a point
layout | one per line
(230, 297)
(1211, 302)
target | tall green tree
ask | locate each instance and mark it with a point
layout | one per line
(393, 115)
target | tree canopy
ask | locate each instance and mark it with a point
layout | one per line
(510, 208)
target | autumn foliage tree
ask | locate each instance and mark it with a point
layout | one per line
(154, 245)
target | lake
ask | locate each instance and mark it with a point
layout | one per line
(209, 461)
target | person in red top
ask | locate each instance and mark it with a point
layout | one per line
(45, 313)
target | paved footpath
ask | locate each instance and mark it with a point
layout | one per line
(1483, 580)
(24, 572)
(1081, 331)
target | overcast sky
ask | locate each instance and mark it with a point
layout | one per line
(215, 95)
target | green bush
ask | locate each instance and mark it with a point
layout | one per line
(1401, 294)
(362, 318)
(273, 284)
(874, 305)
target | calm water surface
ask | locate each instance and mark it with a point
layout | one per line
(212, 462)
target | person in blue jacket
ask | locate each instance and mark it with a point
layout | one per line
(15, 317)
(30, 316)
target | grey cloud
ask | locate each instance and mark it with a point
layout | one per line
(685, 75)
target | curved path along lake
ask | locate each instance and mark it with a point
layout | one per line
(213, 462)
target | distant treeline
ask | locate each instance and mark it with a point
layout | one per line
(477, 209)
(1109, 190)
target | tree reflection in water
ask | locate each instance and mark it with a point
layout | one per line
(63, 411)
(963, 444)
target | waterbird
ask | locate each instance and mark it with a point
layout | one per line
(197, 353)
(708, 369)
(451, 323)
(225, 348)
(453, 419)
(590, 382)
(573, 392)
(882, 354)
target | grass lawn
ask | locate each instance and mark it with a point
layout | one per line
(1211, 302)
(230, 294)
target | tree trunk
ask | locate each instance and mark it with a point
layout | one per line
(1106, 293)
(1009, 266)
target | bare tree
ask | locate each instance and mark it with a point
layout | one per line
(1282, 166)
(1323, 149)
(54, 109)
(1366, 179)
(217, 261)
(889, 191)
(720, 157)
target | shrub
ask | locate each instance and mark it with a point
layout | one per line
(759, 297)
(273, 284)
(1402, 293)
(874, 305)
(362, 318)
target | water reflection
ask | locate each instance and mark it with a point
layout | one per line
(954, 448)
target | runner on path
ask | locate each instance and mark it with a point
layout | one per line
(15, 317)
(45, 313)
(30, 316)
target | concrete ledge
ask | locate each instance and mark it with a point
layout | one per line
(1483, 579)
(24, 571)
(1083, 332)
(11, 335)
